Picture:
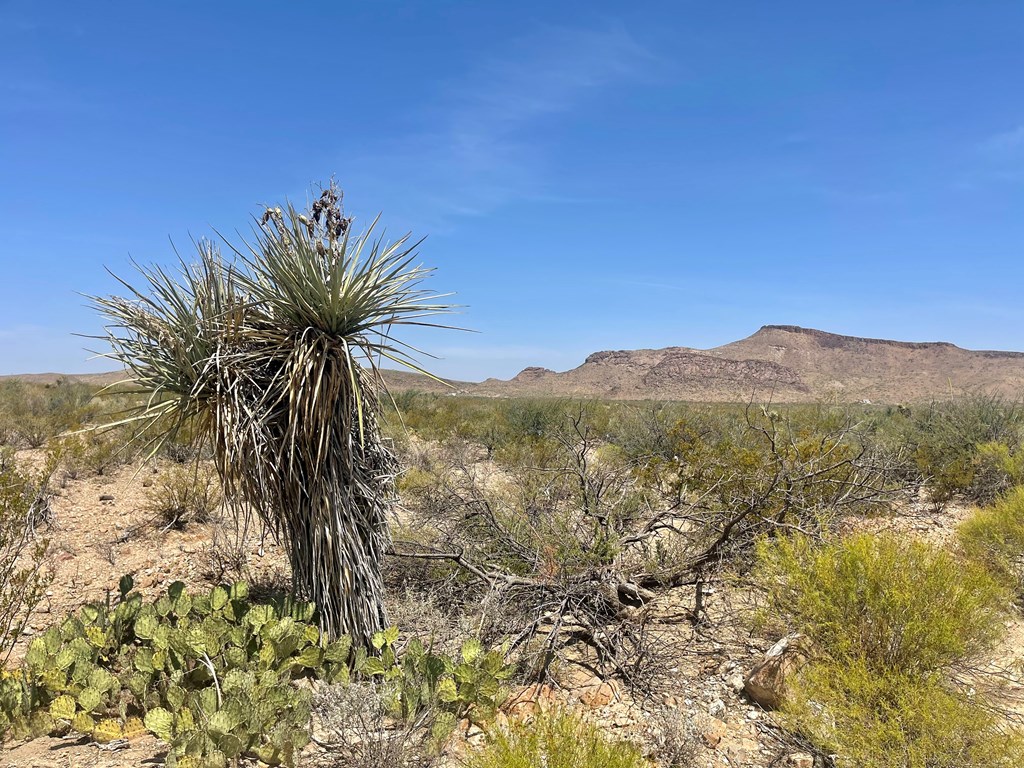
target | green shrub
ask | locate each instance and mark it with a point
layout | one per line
(30, 414)
(894, 602)
(944, 440)
(994, 536)
(892, 622)
(999, 467)
(88, 453)
(895, 720)
(556, 740)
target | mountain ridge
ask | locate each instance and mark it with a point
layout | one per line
(784, 363)
(787, 363)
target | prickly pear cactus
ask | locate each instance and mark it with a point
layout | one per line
(212, 674)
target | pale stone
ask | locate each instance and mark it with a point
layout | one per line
(799, 760)
(766, 683)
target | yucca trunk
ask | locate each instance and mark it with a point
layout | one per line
(337, 537)
(334, 517)
(312, 463)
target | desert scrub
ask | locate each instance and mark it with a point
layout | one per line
(183, 494)
(555, 740)
(945, 439)
(30, 414)
(894, 720)
(892, 624)
(994, 536)
(88, 452)
(898, 604)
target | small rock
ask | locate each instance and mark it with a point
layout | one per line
(475, 735)
(766, 683)
(106, 497)
(530, 700)
(713, 731)
(799, 760)
(27, 631)
(717, 709)
(736, 682)
(742, 752)
(598, 693)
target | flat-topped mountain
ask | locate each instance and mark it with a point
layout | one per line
(784, 362)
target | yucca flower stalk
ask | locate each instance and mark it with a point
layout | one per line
(272, 355)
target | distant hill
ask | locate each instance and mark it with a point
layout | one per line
(397, 381)
(783, 362)
(97, 379)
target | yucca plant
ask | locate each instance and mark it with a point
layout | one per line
(272, 356)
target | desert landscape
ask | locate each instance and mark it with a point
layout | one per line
(511, 385)
(614, 557)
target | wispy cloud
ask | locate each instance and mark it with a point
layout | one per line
(477, 151)
(499, 352)
(1007, 142)
(1002, 156)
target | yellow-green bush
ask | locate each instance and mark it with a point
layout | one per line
(31, 413)
(947, 442)
(895, 602)
(994, 536)
(556, 740)
(896, 720)
(891, 622)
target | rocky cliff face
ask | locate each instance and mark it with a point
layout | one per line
(785, 362)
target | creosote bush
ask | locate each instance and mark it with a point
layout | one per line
(896, 720)
(994, 536)
(895, 603)
(555, 740)
(894, 625)
(966, 446)
(30, 414)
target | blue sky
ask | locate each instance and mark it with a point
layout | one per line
(590, 175)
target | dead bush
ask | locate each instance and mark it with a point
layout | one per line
(351, 721)
(674, 738)
(185, 494)
(23, 577)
